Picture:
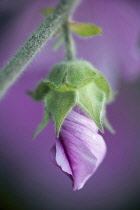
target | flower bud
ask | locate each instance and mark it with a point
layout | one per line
(75, 96)
(79, 149)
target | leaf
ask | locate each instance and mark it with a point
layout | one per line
(58, 43)
(92, 101)
(47, 11)
(43, 124)
(39, 93)
(59, 104)
(85, 30)
(108, 125)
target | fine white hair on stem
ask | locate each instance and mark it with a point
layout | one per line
(34, 44)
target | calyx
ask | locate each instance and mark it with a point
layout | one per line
(73, 83)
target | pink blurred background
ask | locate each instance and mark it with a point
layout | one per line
(28, 178)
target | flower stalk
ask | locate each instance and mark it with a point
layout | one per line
(27, 52)
(69, 42)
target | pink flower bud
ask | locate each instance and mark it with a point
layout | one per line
(79, 149)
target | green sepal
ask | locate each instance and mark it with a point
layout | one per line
(59, 104)
(84, 29)
(43, 124)
(39, 93)
(80, 73)
(57, 75)
(108, 126)
(72, 74)
(92, 101)
(104, 86)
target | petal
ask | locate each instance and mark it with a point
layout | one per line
(84, 120)
(59, 158)
(80, 149)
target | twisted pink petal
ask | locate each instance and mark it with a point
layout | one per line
(80, 149)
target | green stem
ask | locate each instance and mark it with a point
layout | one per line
(69, 42)
(27, 52)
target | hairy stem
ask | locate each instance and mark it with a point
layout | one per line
(27, 52)
(69, 42)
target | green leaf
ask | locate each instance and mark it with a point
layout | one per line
(92, 101)
(58, 43)
(47, 11)
(43, 124)
(107, 125)
(59, 104)
(85, 30)
(39, 93)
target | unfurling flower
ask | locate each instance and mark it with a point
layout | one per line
(75, 96)
(79, 149)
